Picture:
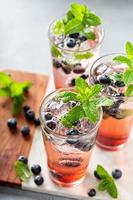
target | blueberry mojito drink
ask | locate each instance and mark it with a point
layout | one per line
(115, 73)
(75, 40)
(69, 120)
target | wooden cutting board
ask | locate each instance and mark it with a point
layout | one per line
(13, 144)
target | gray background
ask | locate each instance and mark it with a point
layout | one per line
(24, 42)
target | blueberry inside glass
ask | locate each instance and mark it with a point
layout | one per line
(75, 41)
(115, 73)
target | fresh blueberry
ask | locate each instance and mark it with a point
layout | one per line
(117, 173)
(71, 140)
(104, 80)
(26, 108)
(96, 175)
(36, 169)
(92, 192)
(71, 43)
(30, 115)
(119, 83)
(72, 132)
(51, 124)
(38, 180)
(84, 76)
(57, 64)
(12, 123)
(37, 121)
(75, 123)
(23, 159)
(119, 95)
(48, 116)
(82, 38)
(73, 103)
(72, 83)
(79, 70)
(66, 70)
(74, 35)
(25, 130)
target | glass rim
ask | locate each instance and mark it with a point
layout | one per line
(70, 50)
(91, 75)
(66, 136)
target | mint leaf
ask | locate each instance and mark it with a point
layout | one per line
(129, 50)
(90, 35)
(81, 85)
(17, 104)
(81, 56)
(91, 19)
(76, 10)
(69, 15)
(22, 170)
(5, 80)
(68, 96)
(101, 172)
(55, 52)
(112, 189)
(128, 76)
(95, 90)
(117, 77)
(129, 91)
(4, 92)
(59, 28)
(103, 101)
(123, 59)
(102, 185)
(73, 26)
(75, 114)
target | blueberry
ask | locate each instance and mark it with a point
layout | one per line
(117, 173)
(25, 130)
(26, 108)
(119, 95)
(75, 123)
(57, 64)
(79, 70)
(23, 159)
(74, 35)
(72, 82)
(82, 38)
(96, 175)
(30, 115)
(92, 192)
(37, 121)
(119, 83)
(36, 169)
(66, 70)
(84, 76)
(71, 140)
(12, 123)
(51, 124)
(73, 103)
(104, 80)
(71, 43)
(72, 132)
(38, 180)
(48, 116)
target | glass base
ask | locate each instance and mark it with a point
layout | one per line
(111, 148)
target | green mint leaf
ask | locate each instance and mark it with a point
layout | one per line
(129, 50)
(129, 91)
(90, 110)
(59, 28)
(90, 35)
(128, 76)
(22, 171)
(117, 77)
(103, 101)
(74, 115)
(69, 15)
(81, 56)
(91, 19)
(17, 104)
(112, 189)
(19, 88)
(55, 51)
(4, 92)
(76, 10)
(73, 26)
(102, 185)
(5, 80)
(101, 172)
(123, 59)
(95, 90)
(68, 96)
(81, 85)
(84, 9)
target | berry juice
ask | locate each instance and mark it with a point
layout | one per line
(117, 119)
(68, 149)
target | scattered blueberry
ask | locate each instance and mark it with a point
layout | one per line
(72, 132)
(119, 83)
(117, 173)
(38, 180)
(48, 116)
(119, 95)
(96, 175)
(84, 76)
(73, 103)
(51, 124)
(30, 115)
(78, 70)
(72, 83)
(104, 80)
(74, 35)
(82, 38)
(66, 70)
(71, 43)
(26, 108)
(12, 123)
(36, 169)
(37, 121)
(57, 64)
(25, 130)
(92, 192)
(23, 159)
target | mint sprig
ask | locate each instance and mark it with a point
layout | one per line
(77, 19)
(107, 182)
(13, 89)
(22, 170)
(127, 76)
(55, 51)
(89, 102)
(81, 56)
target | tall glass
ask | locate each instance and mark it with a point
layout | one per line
(69, 63)
(67, 156)
(117, 120)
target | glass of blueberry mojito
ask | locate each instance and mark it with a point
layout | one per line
(115, 73)
(69, 122)
(75, 41)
